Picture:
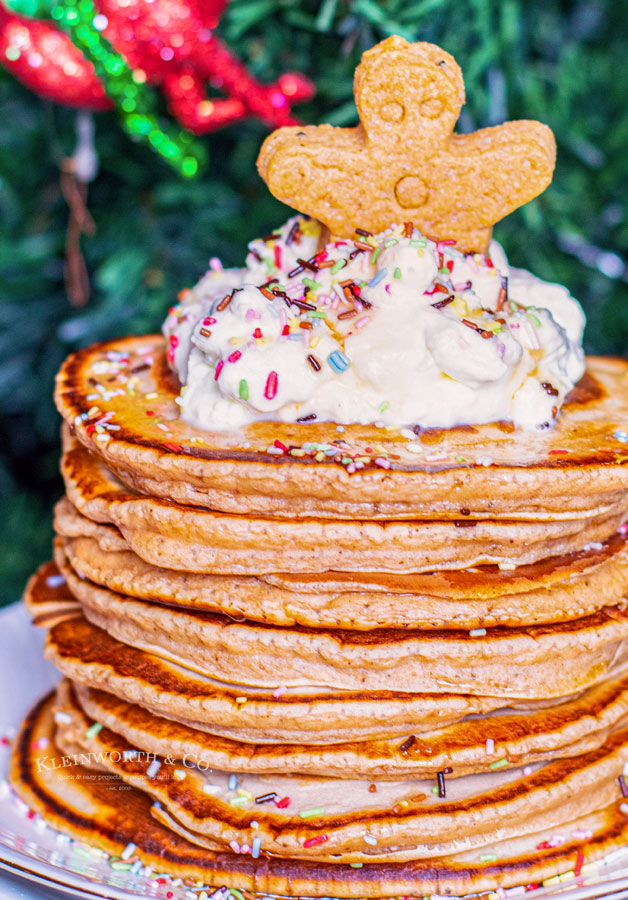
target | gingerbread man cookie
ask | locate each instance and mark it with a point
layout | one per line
(403, 162)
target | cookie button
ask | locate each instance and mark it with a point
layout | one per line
(411, 192)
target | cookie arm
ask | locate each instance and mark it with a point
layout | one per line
(499, 169)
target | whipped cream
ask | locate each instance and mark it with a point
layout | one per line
(393, 329)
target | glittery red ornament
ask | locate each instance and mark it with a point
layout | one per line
(167, 43)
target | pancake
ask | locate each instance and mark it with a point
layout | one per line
(507, 739)
(558, 589)
(100, 813)
(505, 662)
(406, 819)
(88, 655)
(193, 539)
(119, 396)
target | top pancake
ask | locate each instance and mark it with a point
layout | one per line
(120, 398)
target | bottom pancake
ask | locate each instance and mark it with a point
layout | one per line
(109, 815)
(356, 820)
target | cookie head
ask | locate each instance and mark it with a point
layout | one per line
(404, 160)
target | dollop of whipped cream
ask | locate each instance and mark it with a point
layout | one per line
(394, 329)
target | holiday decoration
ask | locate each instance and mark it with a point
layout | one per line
(111, 55)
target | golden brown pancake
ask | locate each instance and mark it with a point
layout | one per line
(194, 539)
(553, 590)
(506, 662)
(507, 739)
(88, 655)
(98, 812)
(576, 469)
(407, 819)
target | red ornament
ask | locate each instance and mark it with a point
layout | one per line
(169, 44)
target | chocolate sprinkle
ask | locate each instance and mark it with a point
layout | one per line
(443, 303)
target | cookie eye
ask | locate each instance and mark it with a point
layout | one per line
(431, 108)
(392, 112)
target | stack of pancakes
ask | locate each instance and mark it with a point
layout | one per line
(335, 661)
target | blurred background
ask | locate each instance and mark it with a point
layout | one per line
(564, 63)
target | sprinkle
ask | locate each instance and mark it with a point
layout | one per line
(257, 844)
(315, 841)
(488, 857)
(481, 331)
(219, 367)
(211, 789)
(527, 770)
(205, 332)
(534, 319)
(338, 361)
(311, 813)
(499, 764)
(234, 357)
(284, 803)
(390, 242)
(356, 865)
(490, 746)
(397, 273)
(369, 839)
(129, 754)
(503, 293)
(579, 864)
(477, 632)
(152, 770)
(338, 265)
(266, 798)
(441, 784)
(443, 303)
(377, 278)
(292, 233)
(408, 744)
(549, 389)
(621, 436)
(93, 730)
(179, 774)
(313, 285)
(119, 866)
(622, 786)
(238, 801)
(270, 391)
(233, 782)
(437, 289)
(623, 807)
(234, 846)
(375, 254)
(62, 718)
(55, 581)
(128, 851)
(243, 389)
(224, 303)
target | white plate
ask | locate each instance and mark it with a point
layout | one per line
(50, 866)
